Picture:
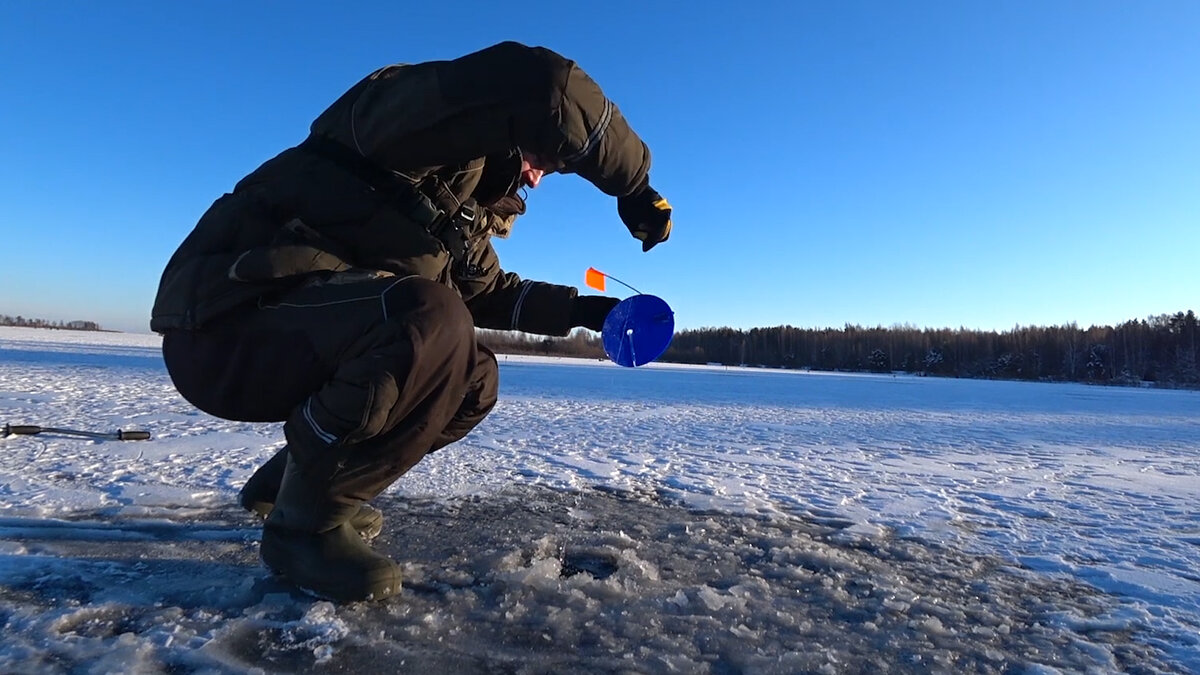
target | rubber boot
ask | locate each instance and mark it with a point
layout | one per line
(308, 540)
(258, 497)
(258, 494)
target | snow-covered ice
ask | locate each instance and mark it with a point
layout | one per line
(663, 519)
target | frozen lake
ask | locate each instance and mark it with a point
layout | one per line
(663, 519)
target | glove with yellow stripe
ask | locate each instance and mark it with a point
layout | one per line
(646, 214)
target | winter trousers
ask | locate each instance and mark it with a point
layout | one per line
(368, 376)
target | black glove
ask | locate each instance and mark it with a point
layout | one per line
(647, 215)
(590, 311)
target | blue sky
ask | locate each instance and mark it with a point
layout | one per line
(977, 164)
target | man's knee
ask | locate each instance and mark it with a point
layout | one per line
(410, 377)
(433, 309)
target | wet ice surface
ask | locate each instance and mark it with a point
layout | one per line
(539, 580)
(663, 520)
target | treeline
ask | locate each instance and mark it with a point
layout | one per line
(582, 344)
(22, 322)
(1158, 351)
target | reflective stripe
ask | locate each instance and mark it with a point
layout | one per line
(321, 433)
(594, 138)
(335, 280)
(525, 287)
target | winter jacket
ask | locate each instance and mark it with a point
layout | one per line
(407, 155)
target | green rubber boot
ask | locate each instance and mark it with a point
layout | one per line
(258, 497)
(308, 540)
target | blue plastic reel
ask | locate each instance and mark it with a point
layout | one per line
(638, 330)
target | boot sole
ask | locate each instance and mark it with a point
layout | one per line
(389, 589)
(376, 582)
(325, 596)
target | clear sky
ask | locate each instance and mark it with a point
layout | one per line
(941, 164)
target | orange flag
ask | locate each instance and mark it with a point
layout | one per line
(595, 279)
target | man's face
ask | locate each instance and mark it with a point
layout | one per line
(532, 170)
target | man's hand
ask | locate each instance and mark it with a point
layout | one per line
(590, 311)
(647, 215)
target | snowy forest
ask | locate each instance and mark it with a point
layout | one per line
(22, 322)
(1157, 351)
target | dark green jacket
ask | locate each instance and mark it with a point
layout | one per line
(386, 164)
